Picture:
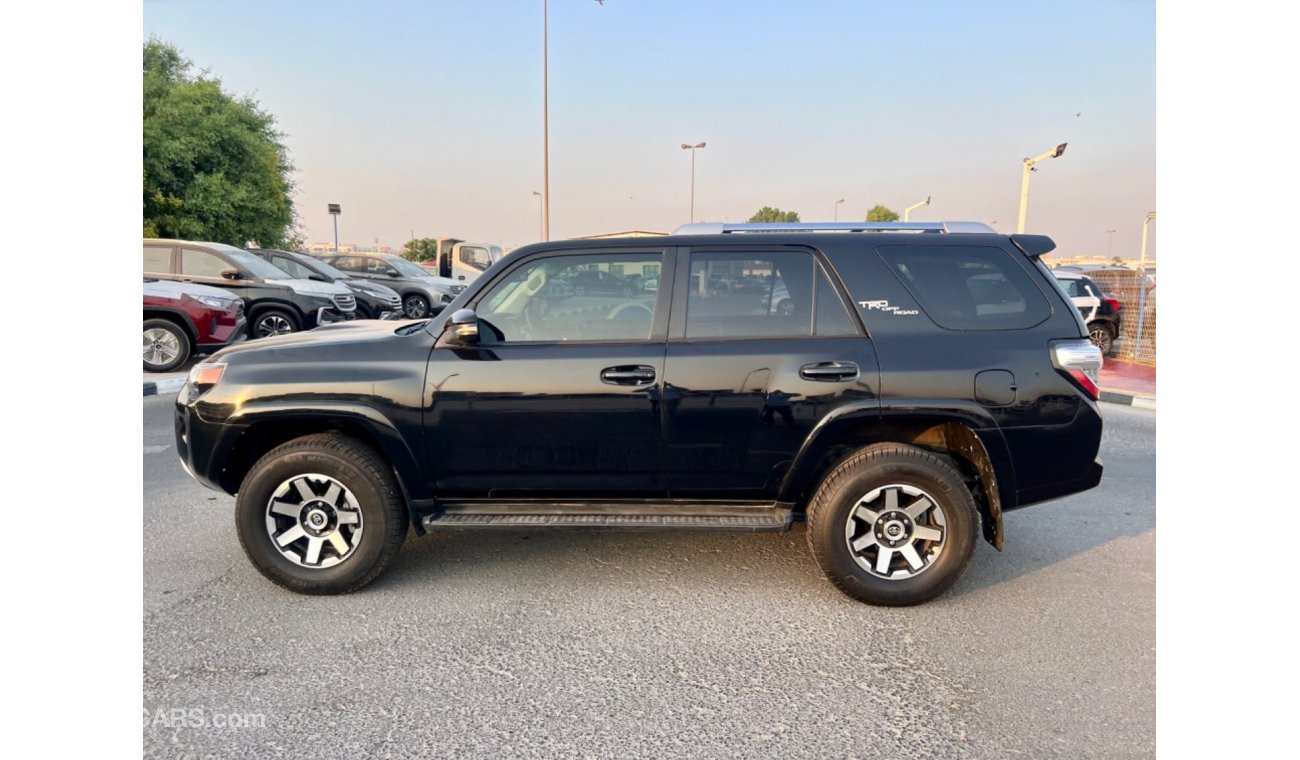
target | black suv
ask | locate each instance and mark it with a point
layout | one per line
(923, 380)
(374, 301)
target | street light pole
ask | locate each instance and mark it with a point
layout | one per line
(1031, 165)
(692, 148)
(907, 212)
(546, 137)
(335, 210)
(1110, 245)
(1142, 281)
(837, 209)
(541, 229)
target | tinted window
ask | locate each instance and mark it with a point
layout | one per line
(748, 295)
(202, 264)
(573, 298)
(292, 267)
(157, 260)
(348, 264)
(832, 316)
(249, 262)
(968, 287)
(1071, 287)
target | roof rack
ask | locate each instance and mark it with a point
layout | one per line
(719, 228)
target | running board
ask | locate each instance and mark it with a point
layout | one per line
(649, 516)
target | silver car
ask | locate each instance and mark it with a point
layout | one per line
(423, 293)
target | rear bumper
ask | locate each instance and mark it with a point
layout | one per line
(1031, 496)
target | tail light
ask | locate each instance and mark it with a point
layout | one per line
(1080, 361)
(1113, 303)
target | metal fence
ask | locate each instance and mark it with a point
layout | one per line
(1136, 293)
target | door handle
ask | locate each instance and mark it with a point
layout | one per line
(637, 374)
(830, 372)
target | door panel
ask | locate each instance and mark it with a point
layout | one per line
(761, 347)
(562, 396)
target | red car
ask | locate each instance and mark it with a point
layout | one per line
(183, 318)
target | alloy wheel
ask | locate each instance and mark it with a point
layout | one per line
(314, 521)
(892, 541)
(273, 324)
(161, 347)
(1101, 338)
(415, 307)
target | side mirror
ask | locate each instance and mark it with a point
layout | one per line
(393, 273)
(463, 327)
(232, 274)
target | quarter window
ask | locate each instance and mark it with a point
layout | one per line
(157, 260)
(574, 299)
(832, 317)
(968, 287)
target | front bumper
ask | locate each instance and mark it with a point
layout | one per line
(199, 444)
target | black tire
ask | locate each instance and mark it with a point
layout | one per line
(873, 467)
(415, 306)
(360, 469)
(162, 336)
(1103, 337)
(270, 322)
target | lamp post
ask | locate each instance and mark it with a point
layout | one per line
(1142, 281)
(692, 149)
(334, 212)
(907, 212)
(541, 228)
(837, 209)
(1031, 165)
(1110, 244)
(546, 137)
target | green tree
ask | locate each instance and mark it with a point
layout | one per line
(769, 214)
(214, 164)
(879, 213)
(420, 249)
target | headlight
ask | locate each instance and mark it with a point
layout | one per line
(316, 293)
(215, 302)
(207, 374)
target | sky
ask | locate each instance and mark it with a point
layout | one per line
(425, 118)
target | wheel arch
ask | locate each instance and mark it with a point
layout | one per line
(174, 315)
(265, 427)
(964, 434)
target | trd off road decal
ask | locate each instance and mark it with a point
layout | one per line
(884, 306)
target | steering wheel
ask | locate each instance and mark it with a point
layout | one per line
(636, 312)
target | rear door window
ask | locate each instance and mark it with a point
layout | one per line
(201, 264)
(968, 287)
(749, 295)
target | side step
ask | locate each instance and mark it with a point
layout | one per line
(645, 515)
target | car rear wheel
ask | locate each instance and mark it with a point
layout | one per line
(416, 307)
(1101, 336)
(321, 514)
(166, 346)
(893, 525)
(274, 322)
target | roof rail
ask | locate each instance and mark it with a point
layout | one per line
(719, 228)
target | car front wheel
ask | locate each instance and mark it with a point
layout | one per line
(166, 346)
(321, 514)
(893, 525)
(416, 307)
(274, 322)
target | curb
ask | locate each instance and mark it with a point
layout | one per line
(170, 385)
(1126, 399)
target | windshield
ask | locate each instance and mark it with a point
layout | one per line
(325, 269)
(407, 268)
(251, 263)
(495, 252)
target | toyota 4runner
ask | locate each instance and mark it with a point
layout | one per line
(911, 384)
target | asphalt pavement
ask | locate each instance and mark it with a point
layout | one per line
(606, 644)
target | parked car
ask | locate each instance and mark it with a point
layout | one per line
(275, 301)
(891, 409)
(422, 292)
(374, 301)
(601, 283)
(182, 319)
(1100, 312)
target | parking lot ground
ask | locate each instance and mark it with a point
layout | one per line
(607, 644)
